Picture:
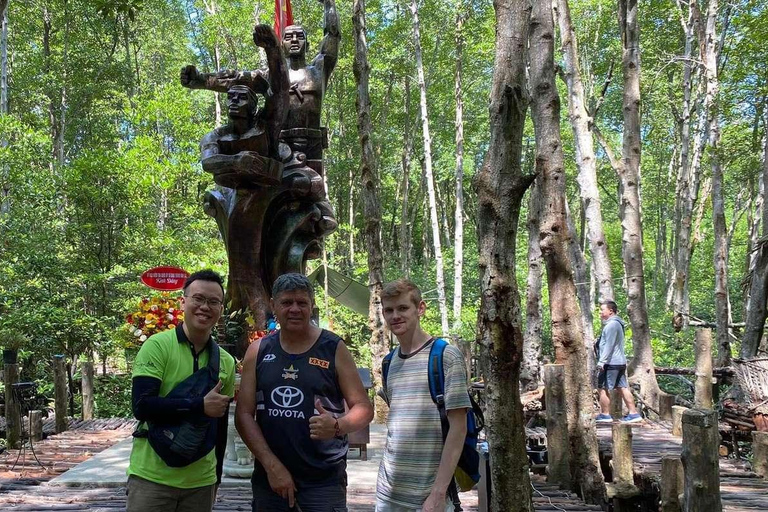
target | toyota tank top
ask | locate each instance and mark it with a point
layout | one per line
(287, 387)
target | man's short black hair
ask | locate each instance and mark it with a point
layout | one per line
(205, 275)
(292, 282)
(611, 305)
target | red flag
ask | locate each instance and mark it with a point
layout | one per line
(283, 16)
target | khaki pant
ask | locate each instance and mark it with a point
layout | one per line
(146, 496)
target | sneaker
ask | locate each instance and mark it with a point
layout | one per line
(632, 418)
(604, 418)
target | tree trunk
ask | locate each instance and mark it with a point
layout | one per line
(211, 9)
(765, 170)
(500, 186)
(585, 154)
(687, 185)
(632, 229)
(567, 335)
(754, 220)
(530, 373)
(4, 57)
(428, 171)
(405, 223)
(583, 281)
(5, 191)
(369, 193)
(351, 218)
(722, 310)
(458, 250)
(758, 295)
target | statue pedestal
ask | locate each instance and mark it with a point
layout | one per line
(238, 460)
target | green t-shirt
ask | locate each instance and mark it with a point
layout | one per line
(164, 356)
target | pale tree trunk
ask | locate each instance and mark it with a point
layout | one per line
(687, 185)
(440, 270)
(642, 367)
(567, 335)
(500, 186)
(369, 194)
(59, 131)
(5, 191)
(211, 8)
(458, 251)
(351, 218)
(583, 283)
(530, 373)
(405, 224)
(585, 154)
(4, 57)
(718, 200)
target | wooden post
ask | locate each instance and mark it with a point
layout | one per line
(671, 483)
(617, 404)
(87, 382)
(703, 392)
(677, 420)
(666, 401)
(558, 468)
(36, 425)
(60, 392)
(622, 453)
(12, 416)
(760, 451)
(622, 489)
(701, 461)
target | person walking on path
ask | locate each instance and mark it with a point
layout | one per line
(612, 365)
(296, 382)
(416, 471)
(169, 361)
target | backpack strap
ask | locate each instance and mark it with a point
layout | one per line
(214, 359)
(436, 377)
(436, 374)
(385, 368)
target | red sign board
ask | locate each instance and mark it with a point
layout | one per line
(165, 278)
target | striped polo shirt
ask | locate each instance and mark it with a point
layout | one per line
(414, 436)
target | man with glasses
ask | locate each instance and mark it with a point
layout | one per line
(165, 361)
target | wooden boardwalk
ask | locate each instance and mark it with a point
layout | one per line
(25, 488)
(741, 489)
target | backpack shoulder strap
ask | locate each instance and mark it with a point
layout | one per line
(214, 359)
(385, 367)
(436, 374)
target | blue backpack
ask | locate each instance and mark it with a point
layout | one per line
(467, 472)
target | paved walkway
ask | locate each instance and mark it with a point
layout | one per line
(107, 468)
(92, 476)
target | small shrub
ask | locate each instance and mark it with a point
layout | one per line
(112, 396)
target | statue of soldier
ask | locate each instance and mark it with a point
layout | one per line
(308, 82)
(246, 151)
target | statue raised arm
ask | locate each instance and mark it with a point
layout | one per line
(246, 151)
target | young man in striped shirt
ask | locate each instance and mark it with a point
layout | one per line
(416, 471)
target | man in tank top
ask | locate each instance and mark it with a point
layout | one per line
(295, 383)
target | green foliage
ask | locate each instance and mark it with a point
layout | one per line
(100, 174)
(112, 396)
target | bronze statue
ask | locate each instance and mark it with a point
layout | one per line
(308, 82)
(271, 209)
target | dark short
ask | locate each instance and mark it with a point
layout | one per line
(612, 376)
(327, 498)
